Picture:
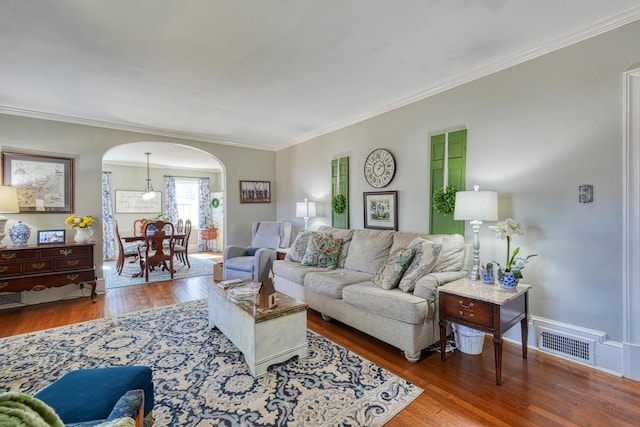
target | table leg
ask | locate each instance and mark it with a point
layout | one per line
(524, 326)
(497, 351)
(443, 339)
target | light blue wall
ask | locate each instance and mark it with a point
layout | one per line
(536, 132)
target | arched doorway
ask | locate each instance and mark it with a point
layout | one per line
(185, 181)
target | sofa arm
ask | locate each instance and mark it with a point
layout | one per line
(427, 285)
(262, 263)
(233, 251)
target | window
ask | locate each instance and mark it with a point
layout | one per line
(187, 199)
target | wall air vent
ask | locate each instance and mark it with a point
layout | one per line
(10, 298)
(566, 345)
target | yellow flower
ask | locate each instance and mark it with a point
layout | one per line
(79, 221)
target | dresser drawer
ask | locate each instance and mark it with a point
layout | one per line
(468, 309)
(67, 251)
(10, 268)
(38, 283)
(38, 266)
(18, 255)
(73, 263)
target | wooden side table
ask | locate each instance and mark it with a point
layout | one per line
(281, 253)
(487, 308)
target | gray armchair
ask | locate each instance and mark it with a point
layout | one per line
(254, 262)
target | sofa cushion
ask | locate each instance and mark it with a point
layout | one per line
(451, 255)
(393, 304)
(424, 260)
(402, 240)
(293, 271)
(322, 251)
(369, 249)
(331, 283)
(299, 246)
(346, 234)
(391, 271)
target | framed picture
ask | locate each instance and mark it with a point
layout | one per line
(130, 201)
(50, 237)
(255, 191)
(381, 210)
(44, 183)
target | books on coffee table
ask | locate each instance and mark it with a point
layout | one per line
(240, 293)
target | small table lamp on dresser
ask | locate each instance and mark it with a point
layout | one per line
(476, 206)
(8, 204)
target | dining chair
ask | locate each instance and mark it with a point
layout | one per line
(180, 226)
(138, 227)
(124, 251)
(182, 244)
(153, 253)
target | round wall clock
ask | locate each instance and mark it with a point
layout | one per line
(379, 168)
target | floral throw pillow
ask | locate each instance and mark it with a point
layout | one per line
(299, 247)
(322, 251)
(390, 272)
(425, 259)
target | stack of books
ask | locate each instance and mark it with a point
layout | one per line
(240, 293)
(226, 284)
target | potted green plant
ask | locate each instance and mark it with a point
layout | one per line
(509, 275)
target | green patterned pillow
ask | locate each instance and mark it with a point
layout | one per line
(389, 274)
(322, 251)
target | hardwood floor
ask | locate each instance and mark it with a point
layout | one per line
(541, 391)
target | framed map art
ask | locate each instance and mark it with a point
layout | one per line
(44, 183)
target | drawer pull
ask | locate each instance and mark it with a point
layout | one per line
(10, 255)
(4, 285)
(468, 307)
(39, 288)
(38, 265)
(72, 276)
(461, 313)
(66, 252)
(73, 262)
(3, 268)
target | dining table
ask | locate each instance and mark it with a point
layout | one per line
(141, 238)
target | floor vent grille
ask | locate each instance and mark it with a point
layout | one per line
(11, 298)
(566, 345)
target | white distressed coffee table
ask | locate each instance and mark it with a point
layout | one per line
(264, 336)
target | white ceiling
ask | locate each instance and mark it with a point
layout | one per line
(270, 73)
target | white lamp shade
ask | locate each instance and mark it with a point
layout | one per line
(306, 209)
(476, 206)
(8, 199)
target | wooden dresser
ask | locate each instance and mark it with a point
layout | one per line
(34, 268)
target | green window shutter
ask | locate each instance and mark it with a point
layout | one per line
(340, 185)
(439, 223)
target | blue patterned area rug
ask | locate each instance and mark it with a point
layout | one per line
(201, 378)
(199, 267)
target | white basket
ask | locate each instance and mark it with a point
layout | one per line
(468, 340)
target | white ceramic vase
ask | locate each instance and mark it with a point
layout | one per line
(83, 235)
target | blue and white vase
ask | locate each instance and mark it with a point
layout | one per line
(20, 234)
(486, 275)
(507, 280)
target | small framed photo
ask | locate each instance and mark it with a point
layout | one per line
(50, 237)
(255, 191)
(381, 210)
(585, 193)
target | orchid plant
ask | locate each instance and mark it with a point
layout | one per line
(506, 230)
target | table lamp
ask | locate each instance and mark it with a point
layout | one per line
(476, 206)
(8, 204)
(306, 210)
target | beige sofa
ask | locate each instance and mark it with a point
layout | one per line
(407, 320)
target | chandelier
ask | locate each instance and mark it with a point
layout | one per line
(148, 193)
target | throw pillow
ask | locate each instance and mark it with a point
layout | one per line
(252, 251)
(299, 246)
(452, 254)
(390, 272)
(424, 260)
(322, 251)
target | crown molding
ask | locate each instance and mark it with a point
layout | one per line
(602, 27)
(125, 127)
